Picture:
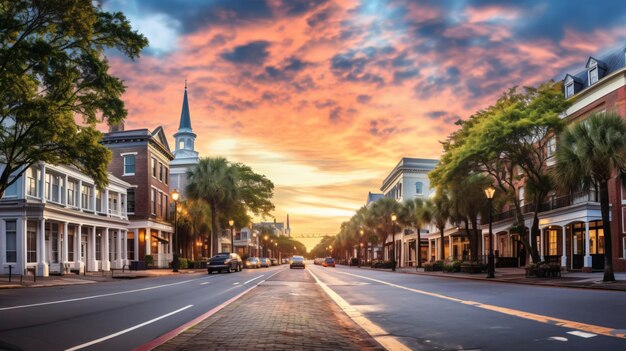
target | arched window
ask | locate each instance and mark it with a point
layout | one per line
(181, 144)
(419, 188)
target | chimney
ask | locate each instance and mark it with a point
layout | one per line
(116, 127)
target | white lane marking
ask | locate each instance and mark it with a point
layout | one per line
(379, 334)
(237, 283)
(253, 279)
(78, 347)
(582, 334)
(96, 296)
(205, 283)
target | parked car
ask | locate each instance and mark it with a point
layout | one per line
(274, 261)
(318, 261)
(265, 262)
(225, 261)
(297, 261)
(329, 262)
(253, 262)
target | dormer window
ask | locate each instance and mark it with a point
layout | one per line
(569, 90)
(593, 75)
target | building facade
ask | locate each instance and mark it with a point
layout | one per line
(54, 220)
(572, 232)
(408, 180)
(142, 158)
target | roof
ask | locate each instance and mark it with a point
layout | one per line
(185, 118)
(157, 137)
(612, 61)
(372, 197)
(409, 164)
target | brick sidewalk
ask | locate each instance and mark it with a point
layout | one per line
(287, 312)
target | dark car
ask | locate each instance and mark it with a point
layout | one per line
(225, 261)
(329, 262)
(296, 261)
(265, 262)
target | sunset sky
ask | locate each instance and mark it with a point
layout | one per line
(325, 96)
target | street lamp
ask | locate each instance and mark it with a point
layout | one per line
(265, 244)
(358, 256)
(175, 197)
(393, 237)
(491, 267)
(232, 241)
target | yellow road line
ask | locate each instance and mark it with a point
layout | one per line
(616, 333)
(389, 342)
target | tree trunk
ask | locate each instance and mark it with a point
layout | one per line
(418, 247)
(606, 225)
(521, 229)
(214, 229)
(470, 238)
(442, 249)
(534, 233)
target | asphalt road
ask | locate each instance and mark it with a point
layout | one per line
(102, 316)
(432, 313)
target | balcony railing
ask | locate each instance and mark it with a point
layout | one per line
(552, 204)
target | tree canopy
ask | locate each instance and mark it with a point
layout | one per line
(53, 71)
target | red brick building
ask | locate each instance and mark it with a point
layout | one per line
(142, 158)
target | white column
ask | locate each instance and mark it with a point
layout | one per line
(136, 240)
(92, 265)
(79, 201)
(42, 182)
(118, 249)
(171, 247)
(65, 245)
(106, 263)
(159, 254)
(105, 205)
(124, 247)
(430, 247)
(587, 248)
(78, 263)
(119, 205)
(542, 251)
(148, 238)
(564, 255)
(451, 244)
(42, 265)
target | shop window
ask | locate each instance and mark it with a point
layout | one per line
(11, 241)
(553, 242)
(31, 242)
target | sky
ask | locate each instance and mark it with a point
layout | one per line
(324, 97)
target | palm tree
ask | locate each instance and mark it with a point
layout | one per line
(195, 217)
(413, 214)
(214, 181)
(439, 209)
(382, 210)
(593, 151)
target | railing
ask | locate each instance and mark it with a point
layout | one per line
(552, 204)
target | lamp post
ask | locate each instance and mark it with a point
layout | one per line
(265, 244)
(232, 241)
(491, 267)
(358, 256)
(175, 196)
(393, 236)
(256, 241)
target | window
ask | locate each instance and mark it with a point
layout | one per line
(593, 75)
(31, 242)
(165, 202)
(71, 193)
(521, 195)
(160, 171)
(56, 185)
(569, 90)
(53, 230)
(167, 171)
(551, 146)
(153, 201)
(70, 243)
(154, 170)
(33, 182)
(98, 246)
(418, 188)
(130, 207)
(86, 197)
(11, 190)
(552, 242)
(11, 241)
(98, 200)
(181, 144)
(159, 202)
(129, 164)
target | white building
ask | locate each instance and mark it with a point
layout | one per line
(408, 180)
(53, 219)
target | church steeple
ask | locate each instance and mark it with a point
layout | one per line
(185, 137)
(185, 119)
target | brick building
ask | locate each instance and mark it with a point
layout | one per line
(142, 158)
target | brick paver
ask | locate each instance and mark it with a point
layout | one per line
(287, 312)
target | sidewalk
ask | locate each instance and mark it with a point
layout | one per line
(518, 276)
(287, 312)
(28, 281)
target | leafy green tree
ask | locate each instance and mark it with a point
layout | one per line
(53, 69)
(438, 209)
(414, 215)
(380, 219)
(593, 152)
(194, 218)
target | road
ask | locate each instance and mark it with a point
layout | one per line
(102, 316)
(433, 313)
